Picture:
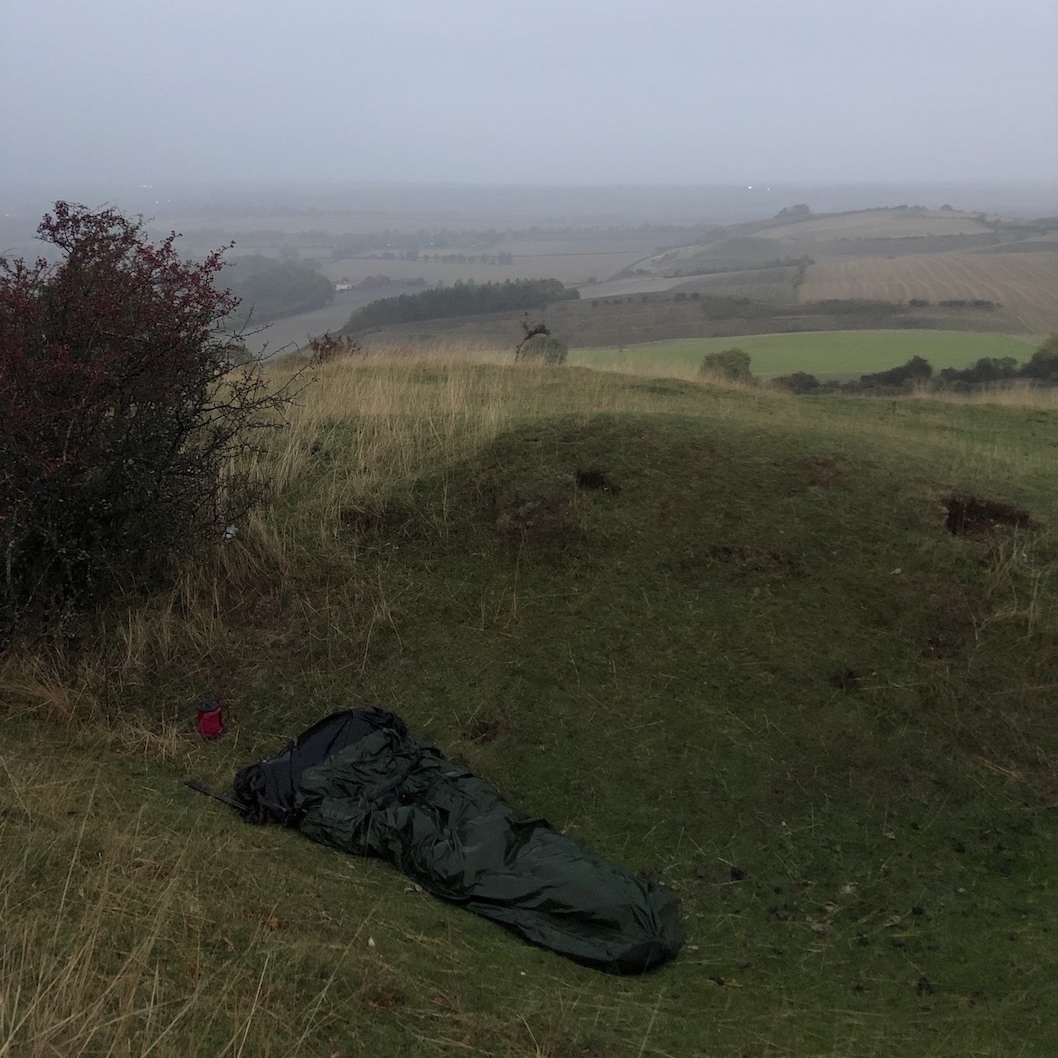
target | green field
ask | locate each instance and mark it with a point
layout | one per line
(826, 354)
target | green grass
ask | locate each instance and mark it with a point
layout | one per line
(826, 354)
(756, 666)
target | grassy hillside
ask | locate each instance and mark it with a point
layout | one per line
(723, 637)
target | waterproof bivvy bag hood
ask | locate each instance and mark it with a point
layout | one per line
(357, 781)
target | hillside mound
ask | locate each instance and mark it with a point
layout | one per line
(765, 671)
(792, 660)
(657, 584)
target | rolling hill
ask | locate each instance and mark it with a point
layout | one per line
(792, 658)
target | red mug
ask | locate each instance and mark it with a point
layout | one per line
(210, 719)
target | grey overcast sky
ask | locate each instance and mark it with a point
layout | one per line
(528, 91)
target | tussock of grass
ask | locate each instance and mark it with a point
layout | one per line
(716, 634)
(1017, 396)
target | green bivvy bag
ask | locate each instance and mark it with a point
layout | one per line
(385, 794)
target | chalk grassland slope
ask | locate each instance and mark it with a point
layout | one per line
(834, 354)
(724, 638)
(1025, 284)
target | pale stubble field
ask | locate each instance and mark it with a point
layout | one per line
(1025, 284)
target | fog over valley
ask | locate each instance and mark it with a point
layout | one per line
(387, 147)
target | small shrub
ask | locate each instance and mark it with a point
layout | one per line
(732, 364)
(328, 347)
(987, 370)
(545, 348)
(1043, 366)
(538, 344)
(800, 382)
(916, 371)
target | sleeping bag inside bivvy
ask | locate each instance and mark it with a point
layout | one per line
(357, 781)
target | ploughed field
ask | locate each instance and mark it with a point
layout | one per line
(1024, 284)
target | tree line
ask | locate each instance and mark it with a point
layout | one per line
(460, 299)
(1040, 370)
(269, 289)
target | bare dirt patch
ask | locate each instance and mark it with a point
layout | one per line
(483, 730)
(978, 518)
(596, 479)
(539, 516)
(822, 473)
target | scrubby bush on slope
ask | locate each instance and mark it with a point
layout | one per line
(121, 414)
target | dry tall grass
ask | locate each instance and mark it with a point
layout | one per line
(109, 944)
(361, 427)
(1018, 396)
(391, 416)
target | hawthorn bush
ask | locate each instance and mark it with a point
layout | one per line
(123, 415)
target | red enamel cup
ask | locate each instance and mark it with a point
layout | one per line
(210, 718)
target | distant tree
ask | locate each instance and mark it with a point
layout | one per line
(461, 299)
(284, 288)
(986, 370)
(729, 363)
(800, 210)
(799, 382)
(1043, 366)
(916, 370)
